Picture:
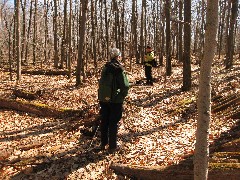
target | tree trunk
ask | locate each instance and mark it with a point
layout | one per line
(233, 18)
(35, 33)
(81, 40)
(168, 39)
(28, 32)
(46, 30)
(18, 39)
(201, 154)
(64, 36)
(23, 5)
(180, 50)
(55, 31)
(107, 28)
(69, 61)
(221, 26)
(93, 14)
(187, 46)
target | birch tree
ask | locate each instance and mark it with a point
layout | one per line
(204, 108)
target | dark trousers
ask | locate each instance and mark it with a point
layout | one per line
(148, 74)
(111, 114)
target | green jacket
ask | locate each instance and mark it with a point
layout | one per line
(122, 83)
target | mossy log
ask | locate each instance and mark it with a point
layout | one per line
(46, 72)
(24, 106)
(26, 95)
(219, 172)
(43, 110)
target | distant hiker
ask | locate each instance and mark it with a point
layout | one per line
(113, 88)
(148, 63)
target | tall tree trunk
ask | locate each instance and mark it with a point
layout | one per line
(123, 31)
(221, 26)
(168, 39)
(35, 33)
(64, 38)
(187, 46)
(201, 154)
(55, 31)
(9, 27)
(230, 49)
(69, 62)
(28, 32)
(141, 48)
(23, 5)
(46, 29)
(81, 41)
(18, 38)
(93, 14)
(107, 27)
(134, 31)
(180, 49)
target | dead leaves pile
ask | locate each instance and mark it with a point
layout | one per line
(157, 129)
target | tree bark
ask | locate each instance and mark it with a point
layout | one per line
(187, 47)
(81, 42)
(233, 18)
(201, 154)
(35, 33)
(168, 39)
(18, 39)
(55, 31)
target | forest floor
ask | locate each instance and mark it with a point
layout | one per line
(157, 129)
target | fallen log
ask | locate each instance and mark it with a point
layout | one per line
(87, 117)
(46, 72)
(24, 106)
(26, 95)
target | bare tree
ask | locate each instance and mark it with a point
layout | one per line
(2, 5)
(221, 26)
(82, 29)
(180, 49)
(55, 32)
(230, 40)
(93, 35)
(64, 35)
(187, 46)
(69, 62)
(18, 39)
(168, 39)
(35, 32)
(204, 107)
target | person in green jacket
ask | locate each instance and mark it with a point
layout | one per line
(148, 63)
(112, 105)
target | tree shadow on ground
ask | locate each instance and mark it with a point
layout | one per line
(154, 99)
(185, 169)
(183, 119)
(60, 165)
(70, 123)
